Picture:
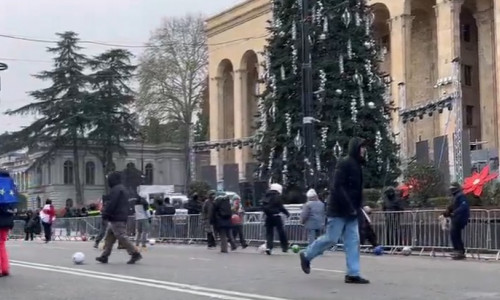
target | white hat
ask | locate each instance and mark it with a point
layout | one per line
(276, 187)
(311, 193)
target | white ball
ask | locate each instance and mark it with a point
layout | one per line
(371, 105)
(406, 250)
(78, 258)
(262, 248)
(152, 242)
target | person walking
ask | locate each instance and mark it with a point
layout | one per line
(459, 212)
(48, 216)
(222, 222)
(207, 212)
(142, 221)
(116, 213)
(31, 225)
(344, 206)
(313, 216)
(8, 202)
(272, 206)
(104, 223)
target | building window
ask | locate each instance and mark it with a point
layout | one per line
(468, 75)
(469, 115)
(90, 173)
(466, 33)
(39, 176)
(68, 172)
(149, 174)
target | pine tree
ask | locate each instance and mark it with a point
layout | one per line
(348, 100)
(61, 109)
(110, 101)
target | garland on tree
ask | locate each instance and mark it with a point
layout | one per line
(350, 95)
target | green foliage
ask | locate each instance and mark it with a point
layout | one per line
(62, 110)
(109, 101)
(489, 197)
(353, 78)
(157, 133)
(439, 202)
(427, 183)
(372, 197)
(23, 202)
(201, 127)
(199, 187)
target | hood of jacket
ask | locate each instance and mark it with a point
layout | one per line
(115, 178)
(354, 145)
(4, 173)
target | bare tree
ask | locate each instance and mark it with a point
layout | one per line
(173, 72)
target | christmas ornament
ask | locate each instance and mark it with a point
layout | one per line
(349, 49)
(298, 141)
(339, 124)
(371, 105)
(288, 122)
(475, 183)
(338, 92)
(283, 73)
(354, 110)
(337, 150)
(324, 135)
(346, 18)
(341, 64)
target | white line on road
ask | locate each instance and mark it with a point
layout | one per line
(328, 270)
(172, 286)
(200, 258)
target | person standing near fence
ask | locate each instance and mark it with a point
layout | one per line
(142, 221)
(116, 213)
(165, 211)
(344, 206)
(272, 205)
(392, 208)
(238, 220)
(459, 212)
(313, 216)
(207, 216)
(222, 222)
(48, 216)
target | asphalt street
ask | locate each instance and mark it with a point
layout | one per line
(46, 272)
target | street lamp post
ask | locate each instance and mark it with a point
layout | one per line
(307, 97)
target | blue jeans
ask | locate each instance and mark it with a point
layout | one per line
(335, 229)
(312, 235)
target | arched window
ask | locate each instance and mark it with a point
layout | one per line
(130, 165)
(90, 173)
(68, 172)
(149, 174)
(39, 176)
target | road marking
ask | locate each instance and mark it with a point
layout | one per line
(200, 258)
(166, 285)
(328, 270)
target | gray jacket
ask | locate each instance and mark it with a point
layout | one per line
(313, 215)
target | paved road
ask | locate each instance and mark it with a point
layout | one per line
(45, 272)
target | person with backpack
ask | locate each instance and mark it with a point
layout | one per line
(221, 219)
(272, 206)
(8, 202)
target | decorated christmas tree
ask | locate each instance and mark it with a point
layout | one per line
(349, 98)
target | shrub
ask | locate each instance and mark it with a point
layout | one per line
(372, 197)
(199, 187)
(428, 183)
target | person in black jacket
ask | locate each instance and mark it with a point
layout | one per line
(392, 207)
(272, 205)
(459, 212)
(344, 207)
(116, 213)
(221, 219)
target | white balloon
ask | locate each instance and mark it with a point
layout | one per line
(152, 242)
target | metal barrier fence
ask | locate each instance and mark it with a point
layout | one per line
(417, 229)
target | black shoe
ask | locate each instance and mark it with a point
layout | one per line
(356, 280)
(305, 264)
(459, 256)
(285, 250)
(244, 246)
(102, 259)
(135, 258)
(268, 251)
(96, 246)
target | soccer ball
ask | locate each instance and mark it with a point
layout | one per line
(406, 251)
(152, 242)
(379, 250)
(84, 238)
(262, 248)
(295, 248)
(78, 258)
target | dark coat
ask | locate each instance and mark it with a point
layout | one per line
(273, 204)
(346, 196)
(459, 210)
(6, 216)
(194, 206)
(392, 202)
(218, 221)
(116, 210)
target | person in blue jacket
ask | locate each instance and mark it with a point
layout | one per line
(459, 213)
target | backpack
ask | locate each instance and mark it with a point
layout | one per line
(224, 209)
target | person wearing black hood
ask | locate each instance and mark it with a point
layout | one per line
(272, 205)
(344, 207)
(116, 213)
(459, 212)
(392, 211)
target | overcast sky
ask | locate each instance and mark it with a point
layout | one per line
(112, 21)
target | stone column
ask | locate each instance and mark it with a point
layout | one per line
(496, 51)
(240, 119)
(400, 29)
(488, 99)
(216, 94)
(448, 45)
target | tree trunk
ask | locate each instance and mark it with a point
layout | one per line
(187, 157)
(76, 170)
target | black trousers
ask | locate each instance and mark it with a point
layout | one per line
(47, 229)
(238, 233)
(456, 237)
(275, 222)
(29, 235)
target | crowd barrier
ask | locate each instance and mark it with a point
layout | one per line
(418, 229)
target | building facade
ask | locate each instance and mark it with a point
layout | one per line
(429, 49)
(162, 164)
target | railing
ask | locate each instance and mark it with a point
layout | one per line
(420, 230)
